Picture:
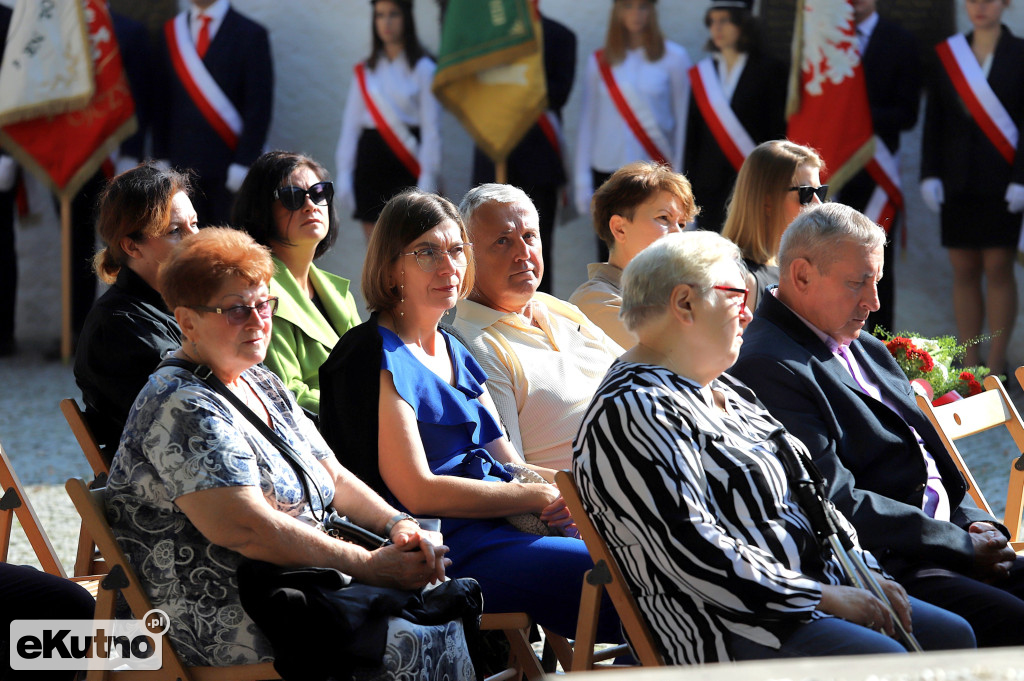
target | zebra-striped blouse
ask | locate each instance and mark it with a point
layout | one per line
(696, 507)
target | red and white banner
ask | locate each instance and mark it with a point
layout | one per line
(211, 101)
(396, 134)
(828, 100)
(887, 198)
(635, 113)
(53, 131)
(969, 80)
(733, 139)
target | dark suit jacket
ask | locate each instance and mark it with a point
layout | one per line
(759, 103)
(239, 60)
(875, 470)
(534, 162)
(892, 71)
(133, 42)
(953, 147)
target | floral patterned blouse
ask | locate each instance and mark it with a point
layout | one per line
(183, 437)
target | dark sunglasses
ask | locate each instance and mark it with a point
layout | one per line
(292, 198)
(807, 192)
(239, 314)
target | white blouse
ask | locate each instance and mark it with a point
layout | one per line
(605, 141)
(407, 90)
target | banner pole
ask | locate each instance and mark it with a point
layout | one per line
(65, 279)
(501, 172)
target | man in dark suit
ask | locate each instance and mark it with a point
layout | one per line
(892, 72)
(844, 396)
(235, 52)
(536, 165)
(8, 254)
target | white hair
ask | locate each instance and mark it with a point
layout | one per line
(492, 192)
(818, 235)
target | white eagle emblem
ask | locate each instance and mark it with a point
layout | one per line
(828, 52)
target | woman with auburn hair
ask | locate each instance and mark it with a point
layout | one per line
(391, 129)
(635, 100)
(143, 213)
(745, 81)
(218, 469)
(286, 205)
(640, 203)
(776, 181)
(404, 407)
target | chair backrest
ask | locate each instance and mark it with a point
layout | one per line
(14, 502)
(970, 416)
(122, 577)
(605, 575)
(98, 460)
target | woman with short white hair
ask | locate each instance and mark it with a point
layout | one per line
(684, 473)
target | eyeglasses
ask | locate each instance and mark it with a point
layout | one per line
(239, 314)
(729, 289)
(429, 258)
(292, 198)
(807, 192)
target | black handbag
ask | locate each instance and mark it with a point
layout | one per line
(338, 526)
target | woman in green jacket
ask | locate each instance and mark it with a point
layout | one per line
(286, 204)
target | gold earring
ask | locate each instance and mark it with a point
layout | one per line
(401, 313)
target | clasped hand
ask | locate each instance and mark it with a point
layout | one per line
(413, 560)
(862, 607)
(993, 555)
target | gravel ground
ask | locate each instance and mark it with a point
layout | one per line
(44, 452)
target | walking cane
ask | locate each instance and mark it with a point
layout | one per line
(809, 489)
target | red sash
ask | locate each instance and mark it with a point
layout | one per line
(547, 123)
(984, 106)
(732, 137)
(627, 112)
(886, 200)
(391, 138)
(211, 101)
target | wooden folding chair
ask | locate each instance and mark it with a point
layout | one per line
(969, 416)
(87, 560)
(605, 575)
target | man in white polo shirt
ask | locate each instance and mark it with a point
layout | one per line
(544, 359)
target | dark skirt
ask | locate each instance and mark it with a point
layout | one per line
(979, 222)
(378, 176)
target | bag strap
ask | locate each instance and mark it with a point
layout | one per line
(206, 375)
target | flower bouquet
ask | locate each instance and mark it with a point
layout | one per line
(928, 363)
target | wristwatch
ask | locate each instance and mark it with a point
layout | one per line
(397, 519)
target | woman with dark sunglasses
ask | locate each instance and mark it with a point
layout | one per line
(286, 204)
(776, 181)
(391, 130)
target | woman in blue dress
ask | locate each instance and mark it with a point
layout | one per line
(404, 407)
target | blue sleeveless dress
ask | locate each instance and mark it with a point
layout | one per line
(517, 572)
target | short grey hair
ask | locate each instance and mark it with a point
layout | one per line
(685, 258)
(818, 234)
(492, 192)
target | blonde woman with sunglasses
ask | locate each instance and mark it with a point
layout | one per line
(776, 181)
(286, 204)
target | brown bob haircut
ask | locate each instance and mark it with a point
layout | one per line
(136, 204)
(405, 217)
(199, 266)
(632, 185)
(755, 220)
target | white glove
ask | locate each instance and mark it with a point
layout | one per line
(427, 182)
(162, 163)
(124, 163)
(8, 173)
(932, 193)
(583, 195)
(1015, 197)
(344, 194)
(236, 175)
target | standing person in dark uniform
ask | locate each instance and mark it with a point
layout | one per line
(8, 255)
(973, 173)
(749, 87)
(133, 44)
(537, 164)
(892, 71)
(217, 94)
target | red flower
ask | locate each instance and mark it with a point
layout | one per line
(973, 387)
(927, 363)
(903, 348)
